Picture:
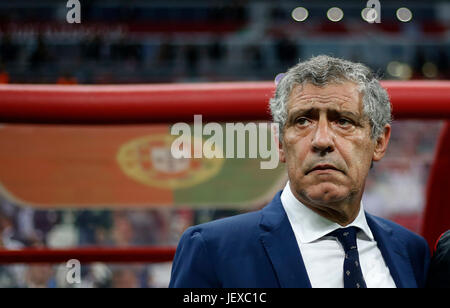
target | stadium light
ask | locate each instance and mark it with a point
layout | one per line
(335, 14)
(300, 14)
(404, 14)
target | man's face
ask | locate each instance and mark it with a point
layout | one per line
(327, 146)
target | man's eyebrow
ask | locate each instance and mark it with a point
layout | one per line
(308, 111)
(302, 111)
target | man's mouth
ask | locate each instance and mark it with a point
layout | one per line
(325, 167)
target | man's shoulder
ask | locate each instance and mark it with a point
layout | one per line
(443, 243)
(237, 225)
(230, 231)
(439, 272)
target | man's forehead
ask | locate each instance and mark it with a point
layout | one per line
(341, 96)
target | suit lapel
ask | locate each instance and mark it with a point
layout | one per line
(281, 246)
(393, 252)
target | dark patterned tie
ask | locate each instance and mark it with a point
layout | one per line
(353, 277)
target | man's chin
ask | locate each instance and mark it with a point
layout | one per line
(326, 193)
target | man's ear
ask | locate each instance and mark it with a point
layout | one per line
(279, 143)
(382, 143)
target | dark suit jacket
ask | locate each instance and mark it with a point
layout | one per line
(439, 273)
(259, 250)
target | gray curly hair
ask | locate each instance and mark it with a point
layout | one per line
(323, 70)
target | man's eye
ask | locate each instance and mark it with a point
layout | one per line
(344, 122)
(302, 121)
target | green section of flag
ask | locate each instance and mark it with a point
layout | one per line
(240, 184)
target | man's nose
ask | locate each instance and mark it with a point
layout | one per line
(322, 141)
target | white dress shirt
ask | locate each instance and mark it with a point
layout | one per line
(324, 256)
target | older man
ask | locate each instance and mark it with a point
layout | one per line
(334, 123)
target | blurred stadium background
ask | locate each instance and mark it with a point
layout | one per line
(63, 186)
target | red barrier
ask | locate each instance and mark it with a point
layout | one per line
(236, 101)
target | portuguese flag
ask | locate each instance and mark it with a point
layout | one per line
(123, 166)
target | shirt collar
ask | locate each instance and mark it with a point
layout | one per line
(310, 226)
